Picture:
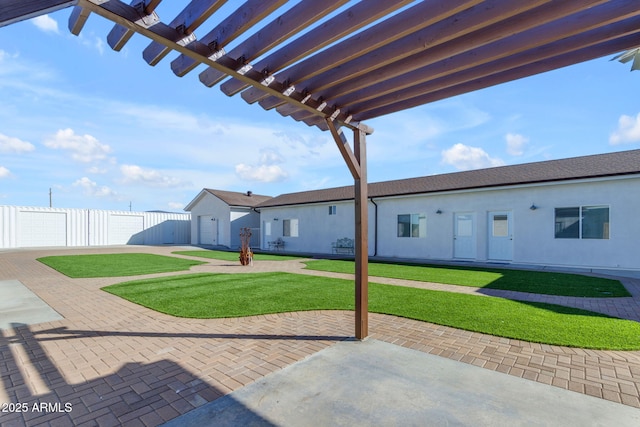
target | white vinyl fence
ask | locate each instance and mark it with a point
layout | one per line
(25, 227)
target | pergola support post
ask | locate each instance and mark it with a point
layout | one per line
(356, 161)
(362, 238)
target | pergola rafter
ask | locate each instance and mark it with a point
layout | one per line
(334, 63)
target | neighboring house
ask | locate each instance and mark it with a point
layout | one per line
(217, 217)
(579, 212)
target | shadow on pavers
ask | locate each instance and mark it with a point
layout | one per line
(127, 396)
(373, 383)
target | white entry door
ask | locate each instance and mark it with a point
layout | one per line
(501, 236)
(464, 235)
(207, 230)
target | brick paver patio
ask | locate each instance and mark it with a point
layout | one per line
(111, 362)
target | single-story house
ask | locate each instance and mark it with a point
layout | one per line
(576, 212)
(217, 217)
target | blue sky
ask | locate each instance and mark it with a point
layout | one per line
(104, 130)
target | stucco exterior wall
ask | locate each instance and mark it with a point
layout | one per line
(210, 222)
(244, 218)
(531, 236)
(317, 229)
(216, 223)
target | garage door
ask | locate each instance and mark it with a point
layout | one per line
(126, 230)
(42, 229)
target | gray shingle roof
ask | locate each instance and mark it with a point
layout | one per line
(599, 165)
(233, 198)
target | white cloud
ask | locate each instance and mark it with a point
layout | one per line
(464, 157)
(99, 45)
(516, 143)
(4, 172)
(176, 205)
(83, 148)
(262, 173)
(14, 145)
(91, 41)
(270, 157)
(267, 170)
(91, 188)
(46, 23)
(628, 130)
(136, 174)
(95, 170)
(316, 184)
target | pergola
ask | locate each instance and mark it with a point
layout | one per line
(336, 63)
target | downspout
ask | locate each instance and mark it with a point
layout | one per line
(375, 227)
(259, 226)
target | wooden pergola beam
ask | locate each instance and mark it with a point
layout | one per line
(119, 35)
(443, 40)
(187, 21)
(225, 32)
(127, 16)
(395, 28)
(230, 28)
(347, 22)
(19, 10)
(540, 36)
(530, 69)
(506, 40)
(296, 19)
(425, 35)
(555, 50)
(78, 18)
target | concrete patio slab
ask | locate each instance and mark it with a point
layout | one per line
(376, 383)
(18, 305)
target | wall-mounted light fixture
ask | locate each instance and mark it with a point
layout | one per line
(533, 207)
(275, 219)
(438, 211)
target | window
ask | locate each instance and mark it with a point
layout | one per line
(290, 228)
(332, 210)
(412, 225)
(595, 222)
(583, 222)
(500, 226)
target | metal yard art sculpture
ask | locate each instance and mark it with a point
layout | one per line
(246, 256)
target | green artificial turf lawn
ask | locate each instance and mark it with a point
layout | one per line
(537, 282)
(237, 295)
(116, 265)
(234, 256)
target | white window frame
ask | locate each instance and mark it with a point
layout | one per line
(416, 219)
(332, 209)
(581, 213)
(290, 227)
